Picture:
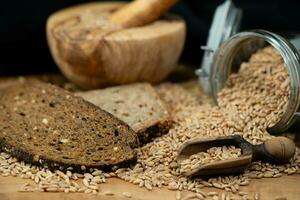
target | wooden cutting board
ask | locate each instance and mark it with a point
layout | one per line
(269, 189)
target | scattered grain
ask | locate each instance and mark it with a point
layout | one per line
(127, 194)
(213, 154)
(178, 195)
(212, 193)
(108, 193)
(253, 100)
(45, 121)
(256, 196)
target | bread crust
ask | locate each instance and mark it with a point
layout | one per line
(138, 105)
(46, 125)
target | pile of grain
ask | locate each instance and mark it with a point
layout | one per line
(213, 154)
(48, 181)
(253, 100)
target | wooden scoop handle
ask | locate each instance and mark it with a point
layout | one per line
(276, 150)
(141, 12)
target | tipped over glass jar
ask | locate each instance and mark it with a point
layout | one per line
(224, 58)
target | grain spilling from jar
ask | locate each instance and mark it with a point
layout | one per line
(253, 100)
(213, 154)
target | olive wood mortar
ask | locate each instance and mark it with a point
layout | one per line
(93, 53)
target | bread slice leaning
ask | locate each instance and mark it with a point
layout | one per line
(136, 104)
(43, 124)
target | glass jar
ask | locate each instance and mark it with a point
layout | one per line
(237, 49)
(226, 22)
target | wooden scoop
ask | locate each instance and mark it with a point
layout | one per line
(277, 150)
(110, 43)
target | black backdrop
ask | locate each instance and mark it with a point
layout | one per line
(23, 47)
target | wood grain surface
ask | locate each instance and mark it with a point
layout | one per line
(286, 187)
(269, 189)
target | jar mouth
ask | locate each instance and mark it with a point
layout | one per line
(239, 48)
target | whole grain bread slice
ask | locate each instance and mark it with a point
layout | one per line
(136, 104)
(43, 124)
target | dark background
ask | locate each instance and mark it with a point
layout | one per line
(23, 46)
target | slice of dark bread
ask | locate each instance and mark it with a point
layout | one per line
(136, 104)
(41, 123)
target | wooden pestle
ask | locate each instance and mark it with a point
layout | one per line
(141, 12)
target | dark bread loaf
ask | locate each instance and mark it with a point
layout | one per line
(136, 104)
(41, 123)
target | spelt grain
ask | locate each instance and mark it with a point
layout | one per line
(243, 193)
(127, 194)
(252, 100)
(199, 196)
(108, 193)
(178, 195)
(256, 196)
(211, 155)
(87, 191)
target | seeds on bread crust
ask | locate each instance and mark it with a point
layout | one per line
(61, 133)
